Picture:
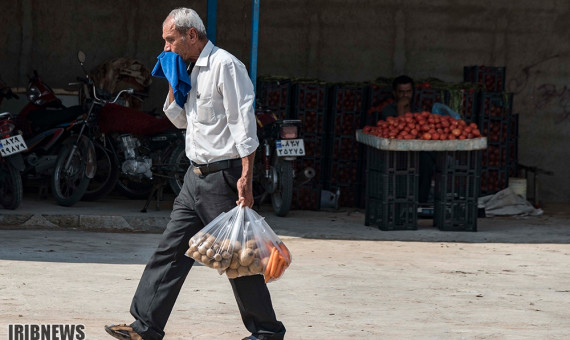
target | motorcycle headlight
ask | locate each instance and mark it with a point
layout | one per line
(289, 132)
(34, 95)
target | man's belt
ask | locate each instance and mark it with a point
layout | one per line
(204, 169)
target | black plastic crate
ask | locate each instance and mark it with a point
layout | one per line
(495, 156)
(391, 215)
(492, 78)
(347, 105)
(344, 174)
(313, 122)
(494, 179)
(310, 106)
(495, 105)
(496, 129)
(314, 145)
(347, 124)
(464, 101)
(345, 165)
(348, 98)
(344, 147)
(425, 98)
(513, 147)
(456, 215)
(379, 96)
(457, 189)
(310, 96)
(274, 94)
(387, 162)
(316, 163)
(307, 198)
(392, 189)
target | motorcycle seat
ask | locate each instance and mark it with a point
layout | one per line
(45, 118)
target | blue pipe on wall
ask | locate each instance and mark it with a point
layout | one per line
(254, 34)
(212, 20)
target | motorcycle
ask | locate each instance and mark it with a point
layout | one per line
(281, 143)
(58, 143)
(11, 161)
(141, 153)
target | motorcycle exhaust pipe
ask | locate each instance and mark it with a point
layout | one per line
(304, 177)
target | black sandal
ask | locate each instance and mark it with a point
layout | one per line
(122, 332)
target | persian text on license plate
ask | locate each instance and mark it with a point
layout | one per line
(12, 145)
(290, 147)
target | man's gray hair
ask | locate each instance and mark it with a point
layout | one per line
(185, 19)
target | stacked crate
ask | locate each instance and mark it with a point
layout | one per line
(498, 124)
(424, 98)
(492, 78)
(457, 179)
(379, 96)
(495, 122)
(513, 147)
(391, 191)
(274, 94)
(347, 105)
(309, 106)
(464, 99)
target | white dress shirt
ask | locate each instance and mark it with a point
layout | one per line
(218, 114)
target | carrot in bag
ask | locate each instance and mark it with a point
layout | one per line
(270, 263)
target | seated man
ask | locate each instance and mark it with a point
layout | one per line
(403, 91)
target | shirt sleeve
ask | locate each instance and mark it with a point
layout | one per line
(175, 113)
(238, 96)
(389, 111)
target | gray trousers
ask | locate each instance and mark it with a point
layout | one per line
(201, 200)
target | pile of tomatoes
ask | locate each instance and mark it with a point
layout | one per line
(424, 125)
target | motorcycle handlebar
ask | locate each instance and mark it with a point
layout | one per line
(140, 94)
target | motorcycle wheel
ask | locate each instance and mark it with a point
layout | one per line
(11, 190)
(283, 195)
(180, 164)
(106, 176)
(69, 184)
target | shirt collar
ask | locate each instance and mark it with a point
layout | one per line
(205, 54)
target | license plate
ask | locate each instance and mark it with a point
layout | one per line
(290, 147)
(12, 145)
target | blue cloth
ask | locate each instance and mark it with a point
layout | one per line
(171, 66)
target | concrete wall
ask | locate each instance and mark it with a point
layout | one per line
(331, 40)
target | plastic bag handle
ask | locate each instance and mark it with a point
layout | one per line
(238, 219)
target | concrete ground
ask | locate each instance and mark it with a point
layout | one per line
(508, 280)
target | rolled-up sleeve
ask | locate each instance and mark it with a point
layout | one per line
(175, 113)
(238, 97)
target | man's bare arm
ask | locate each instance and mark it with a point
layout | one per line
(245, 183)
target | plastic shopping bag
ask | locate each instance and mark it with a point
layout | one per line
(214, 245)
(444, 110)
(243, 244)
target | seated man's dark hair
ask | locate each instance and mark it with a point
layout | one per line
(402, 80)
